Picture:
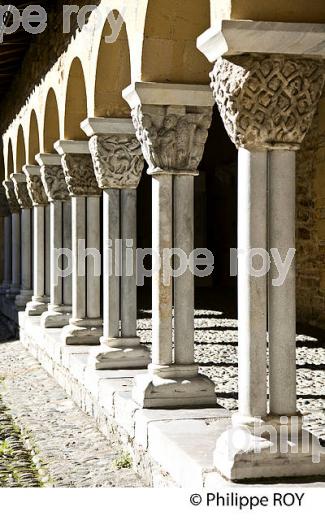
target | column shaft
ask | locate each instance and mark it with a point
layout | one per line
(67, 244)
(48, 252)
(56, 243)
(282, 297)
(111, 230)
(252, 290)
(93, 260)
(128, 282)
(162, 238)
(26, 251)
(16, 263)
(39, 252)
(79, 308)
(7, 252)
(184, 284)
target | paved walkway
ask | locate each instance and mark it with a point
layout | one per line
(70, 451)
(74, 451)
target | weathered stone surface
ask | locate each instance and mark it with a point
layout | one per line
(172, 138)
(54, 183)
(11, 196)
(267, 101)
(118, 161)
(79, 175)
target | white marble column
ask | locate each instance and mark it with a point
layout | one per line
(282, 291)
(267, 117)
(15, 240)
(7, 254)
(85, 324)
(172, 126)
(58, 313)
(252, 284)
(118, 165)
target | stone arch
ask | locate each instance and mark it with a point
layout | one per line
(20, 150)
(10, 159)
(33, 139)
(113, 74)
(169, 52)
(75, 102)
(51, 122)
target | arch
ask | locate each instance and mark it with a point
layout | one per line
(113, 74)
(75, 102)
(20, 150)
(10, 159)
(169, 51)
(51, 122)
(33, 139)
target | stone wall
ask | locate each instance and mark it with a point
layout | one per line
(311, 224)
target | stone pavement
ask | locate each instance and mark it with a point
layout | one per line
(76, 454)
(65, 442)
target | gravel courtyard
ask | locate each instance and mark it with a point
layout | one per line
(46, 440)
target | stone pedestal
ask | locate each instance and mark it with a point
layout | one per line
(118, 165)
(171, 123)
(85, 324)
(58, 313)
(267, 103)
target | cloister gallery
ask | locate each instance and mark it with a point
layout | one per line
(133, 142)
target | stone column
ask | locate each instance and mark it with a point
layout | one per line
(25, 203)
(282, 292)
(118, 165)
(267, 103)
(15, 239)
(85, 326)
(58, 313)
(5, 215)
(171, 123)
(38, 305)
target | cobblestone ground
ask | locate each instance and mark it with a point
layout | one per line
(76, 454)
(38, 421)
(216, 342)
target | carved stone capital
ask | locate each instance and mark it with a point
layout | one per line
(267, 101)
(54, 182)
(4, 205)
(21, 191)
(11, 196)
(35, 186)
(172, 137)
(117, 159)
(79, 175)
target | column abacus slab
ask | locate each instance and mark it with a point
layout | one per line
(172, 123)
(118, 165)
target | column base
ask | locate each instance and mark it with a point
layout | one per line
(4, 288)
(83, 332)
(57, 317)
(119, 353)
(37, 306)
(174, 386)
(270, 449)
(23, 298)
